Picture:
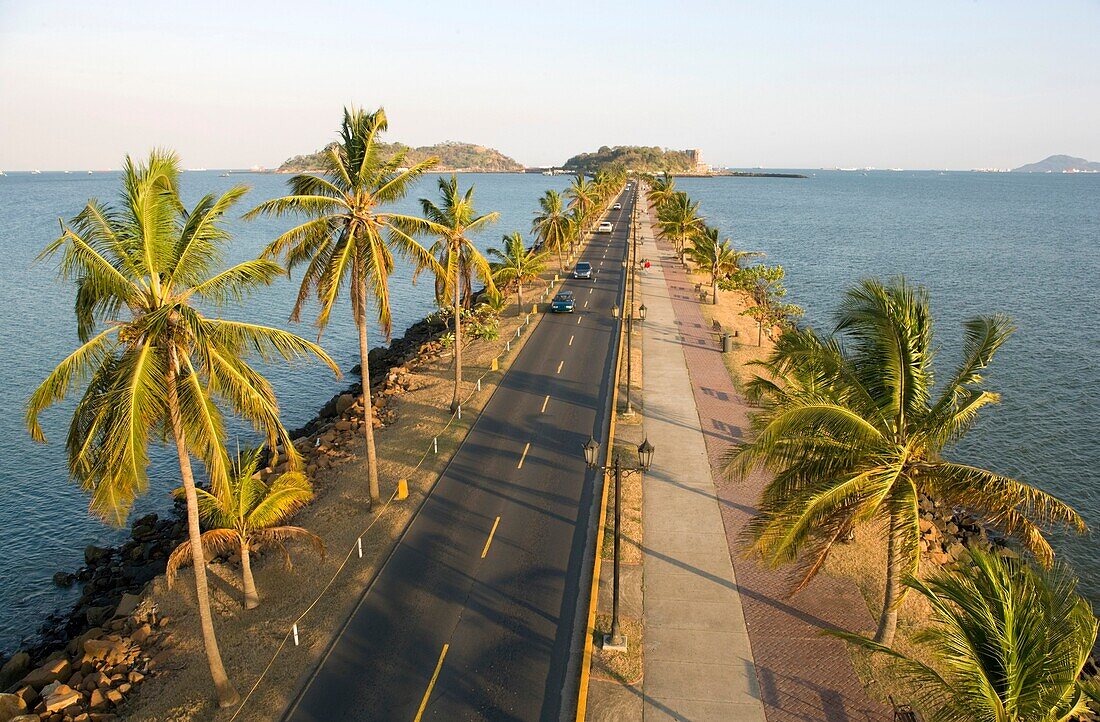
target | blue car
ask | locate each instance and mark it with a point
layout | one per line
(563, 303)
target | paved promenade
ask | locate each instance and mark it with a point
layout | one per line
(698, 659)
(800, 674)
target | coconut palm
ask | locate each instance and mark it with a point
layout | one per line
(1009, 641)
(678, 220)
(151, 364)
(582, 201)
(515, 263)
(349, 240)
(660, 190)
(718, 257)
(453, 221)
(551, 226)
(246, 515)
(854, 431)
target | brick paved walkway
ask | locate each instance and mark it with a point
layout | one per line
(802, 675)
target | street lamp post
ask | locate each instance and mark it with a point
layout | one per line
(616, 640)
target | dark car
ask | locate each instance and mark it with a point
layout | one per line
(583, 269)
(563, 303)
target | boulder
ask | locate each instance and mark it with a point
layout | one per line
(98, 616)
(141, 634)
(63, 579)
(96, 700)
(93, 555)
(14, 669)
(343, 403)
(108, 650)
(62, 698)
(127, 604)
(11, 706)
(49, 672)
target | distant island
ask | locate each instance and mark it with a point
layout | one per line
(1060, 164)
(452, 156)
(637, 158)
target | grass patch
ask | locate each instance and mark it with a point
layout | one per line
(622, 667)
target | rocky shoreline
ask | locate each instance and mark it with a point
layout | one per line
(80, 664)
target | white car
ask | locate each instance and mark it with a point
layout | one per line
(605, 227)
(617, 207)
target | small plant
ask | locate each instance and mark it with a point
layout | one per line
(447, 340)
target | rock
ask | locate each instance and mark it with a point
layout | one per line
(127, 605)
(14, 669)
(114, 696)
(98, 616)
(11, 705)
(28, 694)
(107, 650)
(141, 634)
(93, 555)
(343, 403)
(63, 579)
(49, 672)
(62, 698)
(26, 718)
(96, 700)
(135, 677)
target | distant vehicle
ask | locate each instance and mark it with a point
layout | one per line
(605, 227)
(583, 269)
(617, 207)
(563, 302)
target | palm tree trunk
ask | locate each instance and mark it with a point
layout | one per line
(368, 408)
(458, 344)
(519, 298)
(226, 694)
(888, 622)
(561, 260)
(714, 287)
(251, 598)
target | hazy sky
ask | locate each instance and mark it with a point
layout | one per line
(930, 84)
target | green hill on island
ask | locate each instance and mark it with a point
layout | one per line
(638, 158)
(1060, 164)
(452, 156)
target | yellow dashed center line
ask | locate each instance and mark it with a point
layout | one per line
(559, 367)
(586, 304)
(544, 403)
(431, 684)
(490, 539)
(580, 317)
(570, 340)
(523, 455)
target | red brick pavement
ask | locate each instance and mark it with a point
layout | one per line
(803, 675)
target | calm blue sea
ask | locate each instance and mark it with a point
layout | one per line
(1023, 244)
(44, 523)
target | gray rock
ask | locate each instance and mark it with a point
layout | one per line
(11, 706)
(14, 669)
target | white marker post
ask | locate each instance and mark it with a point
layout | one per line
(294, 629)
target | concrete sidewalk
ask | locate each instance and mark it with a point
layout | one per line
(698, 660)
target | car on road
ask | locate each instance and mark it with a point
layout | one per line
(563, 302)
(605, 227)
(617, 207)
(583, 269)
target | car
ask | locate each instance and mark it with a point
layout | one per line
(617, 207)
(606, 227)
(583, 269)
(563, 302)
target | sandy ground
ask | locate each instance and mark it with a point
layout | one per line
(339, 514)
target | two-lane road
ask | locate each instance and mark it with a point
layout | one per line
(475, 615)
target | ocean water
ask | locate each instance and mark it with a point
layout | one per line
(44, 523)
(1023, 244)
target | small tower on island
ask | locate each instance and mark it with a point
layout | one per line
(697, 164)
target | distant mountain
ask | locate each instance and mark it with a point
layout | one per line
(452, 156)
(1059, 164)
(638, 158)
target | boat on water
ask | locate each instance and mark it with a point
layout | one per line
(89, 172)
(224, 175)
(36, 172)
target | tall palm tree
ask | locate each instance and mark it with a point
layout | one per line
(582, 201)
(678, 220)
(453, 221)
(349, 240)
(516, 263)
(720, 258)
(660, 190)
(247, 514)
(1010, 641)
(152, 365)
(854, 431)
(551, 226)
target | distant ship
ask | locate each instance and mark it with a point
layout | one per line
(89, 172)
(68, 172)
(36, 172)
(195, 170)
(1, 172)
(224, 175)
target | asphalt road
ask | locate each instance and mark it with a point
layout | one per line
(506, 607)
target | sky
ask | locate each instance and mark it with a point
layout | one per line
(232, 84)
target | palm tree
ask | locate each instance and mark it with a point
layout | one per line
(349, 240)
(152, 365)
(660, 190)
(718, 257)
(1010, 641)
(247, 514)
(551, 226)
(459, 260)
(854, 431)
(582, 200)
(678, 220)
(516, 262)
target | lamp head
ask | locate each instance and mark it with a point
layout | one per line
(591, 449)
(645, 454)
